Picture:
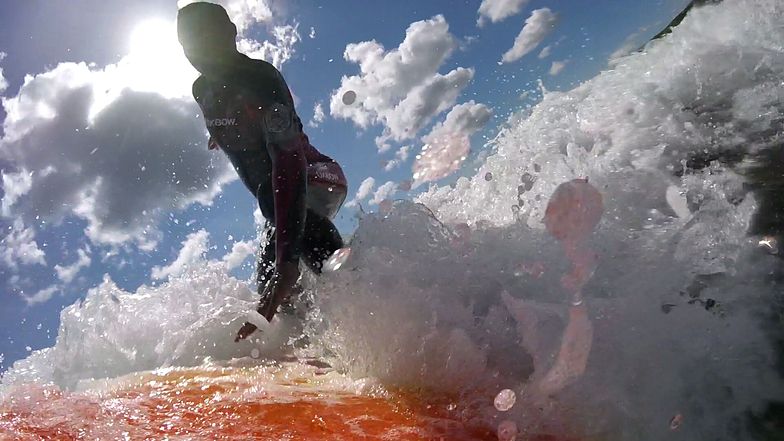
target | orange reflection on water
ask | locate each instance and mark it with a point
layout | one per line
(224, 403)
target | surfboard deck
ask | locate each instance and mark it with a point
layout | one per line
(290, 400)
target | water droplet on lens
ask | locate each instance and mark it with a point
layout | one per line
(349, 97)
(255, 353)
(676, 422)
(488, 176)
(505, 400)
(507, 431)
(528, 181)
(338, 258)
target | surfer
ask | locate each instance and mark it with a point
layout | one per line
(250, 116)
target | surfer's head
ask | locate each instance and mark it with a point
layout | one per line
(207, 36)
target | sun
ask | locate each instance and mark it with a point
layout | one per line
(154, 63)
(154, 41)
(157, 60)
(154, 35)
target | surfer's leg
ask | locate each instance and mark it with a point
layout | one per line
(321, 240)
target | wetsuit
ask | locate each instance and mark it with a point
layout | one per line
(250, 115)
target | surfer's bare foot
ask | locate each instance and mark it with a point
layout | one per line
(245, 331)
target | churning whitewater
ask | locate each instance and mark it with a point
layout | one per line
(461, 292)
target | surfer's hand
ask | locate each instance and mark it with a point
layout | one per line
(286, 276)
(245, 331)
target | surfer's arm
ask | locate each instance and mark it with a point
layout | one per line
(286, 146)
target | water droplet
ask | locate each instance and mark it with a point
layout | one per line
(451, 406)
(338, 258)
(349, 97)
(505, 400)
(255, 353)
(488, 176)
(769, 244)
(528, 181)
(676, 422)
(507, 431)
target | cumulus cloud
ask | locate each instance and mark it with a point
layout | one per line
(385, 191)
(3, 81)
(629, 45)
(14, 186)
(400, 157)
(19, 247)
(244, 13)
(41, 296)
(557, 67)
(401, 89)
(239, 252)
(365, 188)
(67, 273)
(448, 143)
(87, 142)
(545, 52)
(537, 27)
(498, 10)
(318, 115)
(194, 247)
(247, 15)
(276, 52)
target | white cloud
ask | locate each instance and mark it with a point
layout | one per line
(545, 52)
(67, 273)
(400, 157)
(194, 247)
(498, 10)
(247, 15)
(365, 188)
(14, 186)
(125, 153)
(318, 115)
(448, 143)
(278, 52)
(557, 67)
(3, 81)
(629, 45)
(239, 252)
(244, 13)
(383, 192)
(41, 296)
(401, 89)
(19, 246)
(537, 27)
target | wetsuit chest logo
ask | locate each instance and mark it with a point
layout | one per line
(221, 122)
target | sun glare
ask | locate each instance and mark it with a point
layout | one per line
(153, 36)
(155, 63)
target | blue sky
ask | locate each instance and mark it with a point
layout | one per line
(120, 195)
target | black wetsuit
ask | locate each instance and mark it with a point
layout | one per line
(250, 115)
